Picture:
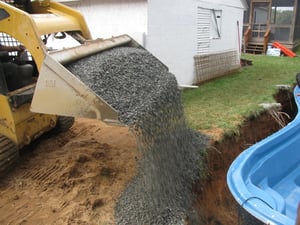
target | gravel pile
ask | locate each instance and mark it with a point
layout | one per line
(146, 95)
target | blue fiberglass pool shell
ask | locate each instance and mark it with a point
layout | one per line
(265, 178)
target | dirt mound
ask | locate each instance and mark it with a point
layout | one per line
(70, 178)
(76, 177)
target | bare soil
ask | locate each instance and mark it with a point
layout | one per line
(75, 177)
(70, 178)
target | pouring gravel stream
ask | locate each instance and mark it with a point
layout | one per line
(146, 95)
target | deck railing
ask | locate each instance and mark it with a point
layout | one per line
(266, 39)
(247, 37)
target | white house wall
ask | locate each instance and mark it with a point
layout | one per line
(172, 32)
(231, 30)
(172, 36)
(107, 18)
(166, 28)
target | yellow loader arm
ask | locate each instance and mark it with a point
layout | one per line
(58, 91)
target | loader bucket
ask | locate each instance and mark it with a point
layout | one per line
(60, 92)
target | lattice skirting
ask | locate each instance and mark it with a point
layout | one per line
(211, 66)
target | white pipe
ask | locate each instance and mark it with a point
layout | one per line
(182, 86)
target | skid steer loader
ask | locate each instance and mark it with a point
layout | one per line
(37, 93)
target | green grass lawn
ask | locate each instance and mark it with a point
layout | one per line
(225, 103)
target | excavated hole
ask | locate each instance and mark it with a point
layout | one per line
(215, 204)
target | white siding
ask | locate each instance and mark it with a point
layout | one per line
(173, 33)
(231, 3)
(108, 18)
(203, 30)
(232, 21)
(170, 29)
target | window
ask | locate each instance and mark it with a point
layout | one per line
(282, 12)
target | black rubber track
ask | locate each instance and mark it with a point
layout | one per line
(9, 154)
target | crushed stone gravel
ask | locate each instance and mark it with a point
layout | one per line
(145, 93)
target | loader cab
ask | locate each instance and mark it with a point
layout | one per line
(20, 4)
(18, 73)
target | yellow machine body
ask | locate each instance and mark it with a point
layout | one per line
(22, 126)
(55, 91)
